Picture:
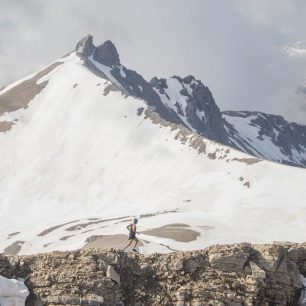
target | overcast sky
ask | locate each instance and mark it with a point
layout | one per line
(236, 47)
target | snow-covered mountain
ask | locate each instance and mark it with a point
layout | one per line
(187, 101)
(86, 144)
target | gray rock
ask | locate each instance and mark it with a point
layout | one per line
(240, 274)
(112, 274)
(182, 294)
(178, 265)
(288, 137)
(228, 260)
(107, 54)
(256, 271)
(199, 101)
(85, 46)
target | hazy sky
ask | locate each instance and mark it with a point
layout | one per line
(236, 47)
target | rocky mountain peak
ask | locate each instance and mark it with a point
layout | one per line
(107, 54)
(85, 46)
(188, 79)
(159, 84)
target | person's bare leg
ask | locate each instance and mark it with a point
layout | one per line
(136, 241)
(129, 243)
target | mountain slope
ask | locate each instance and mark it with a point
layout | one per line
(267, 136)
(85, 156)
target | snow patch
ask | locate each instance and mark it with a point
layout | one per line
(201, 115)
(12, 292)
(174, 100)
(108, 72)
(302, 299)
(122, 73)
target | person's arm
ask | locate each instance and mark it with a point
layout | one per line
(129, 227)
(136, 230)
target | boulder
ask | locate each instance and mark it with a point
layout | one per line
(229, 259)
(112, 274)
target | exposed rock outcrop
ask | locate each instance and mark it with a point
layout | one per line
(232, 275)
(21, 95)
(194, 104)
(107, 54)
(85, 46)
(286, 139)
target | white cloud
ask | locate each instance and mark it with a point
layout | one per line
(296, 49)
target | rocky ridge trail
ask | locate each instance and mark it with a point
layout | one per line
(220, 275)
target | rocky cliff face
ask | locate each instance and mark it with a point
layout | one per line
(267, 136)
(106, 54)
(233, 275)
(194, 104)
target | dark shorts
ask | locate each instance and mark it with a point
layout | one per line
(132, 236)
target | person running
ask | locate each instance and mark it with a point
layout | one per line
(132, 234)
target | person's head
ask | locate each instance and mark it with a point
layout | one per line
(135, 221)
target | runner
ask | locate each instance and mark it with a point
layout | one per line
(132, 234)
